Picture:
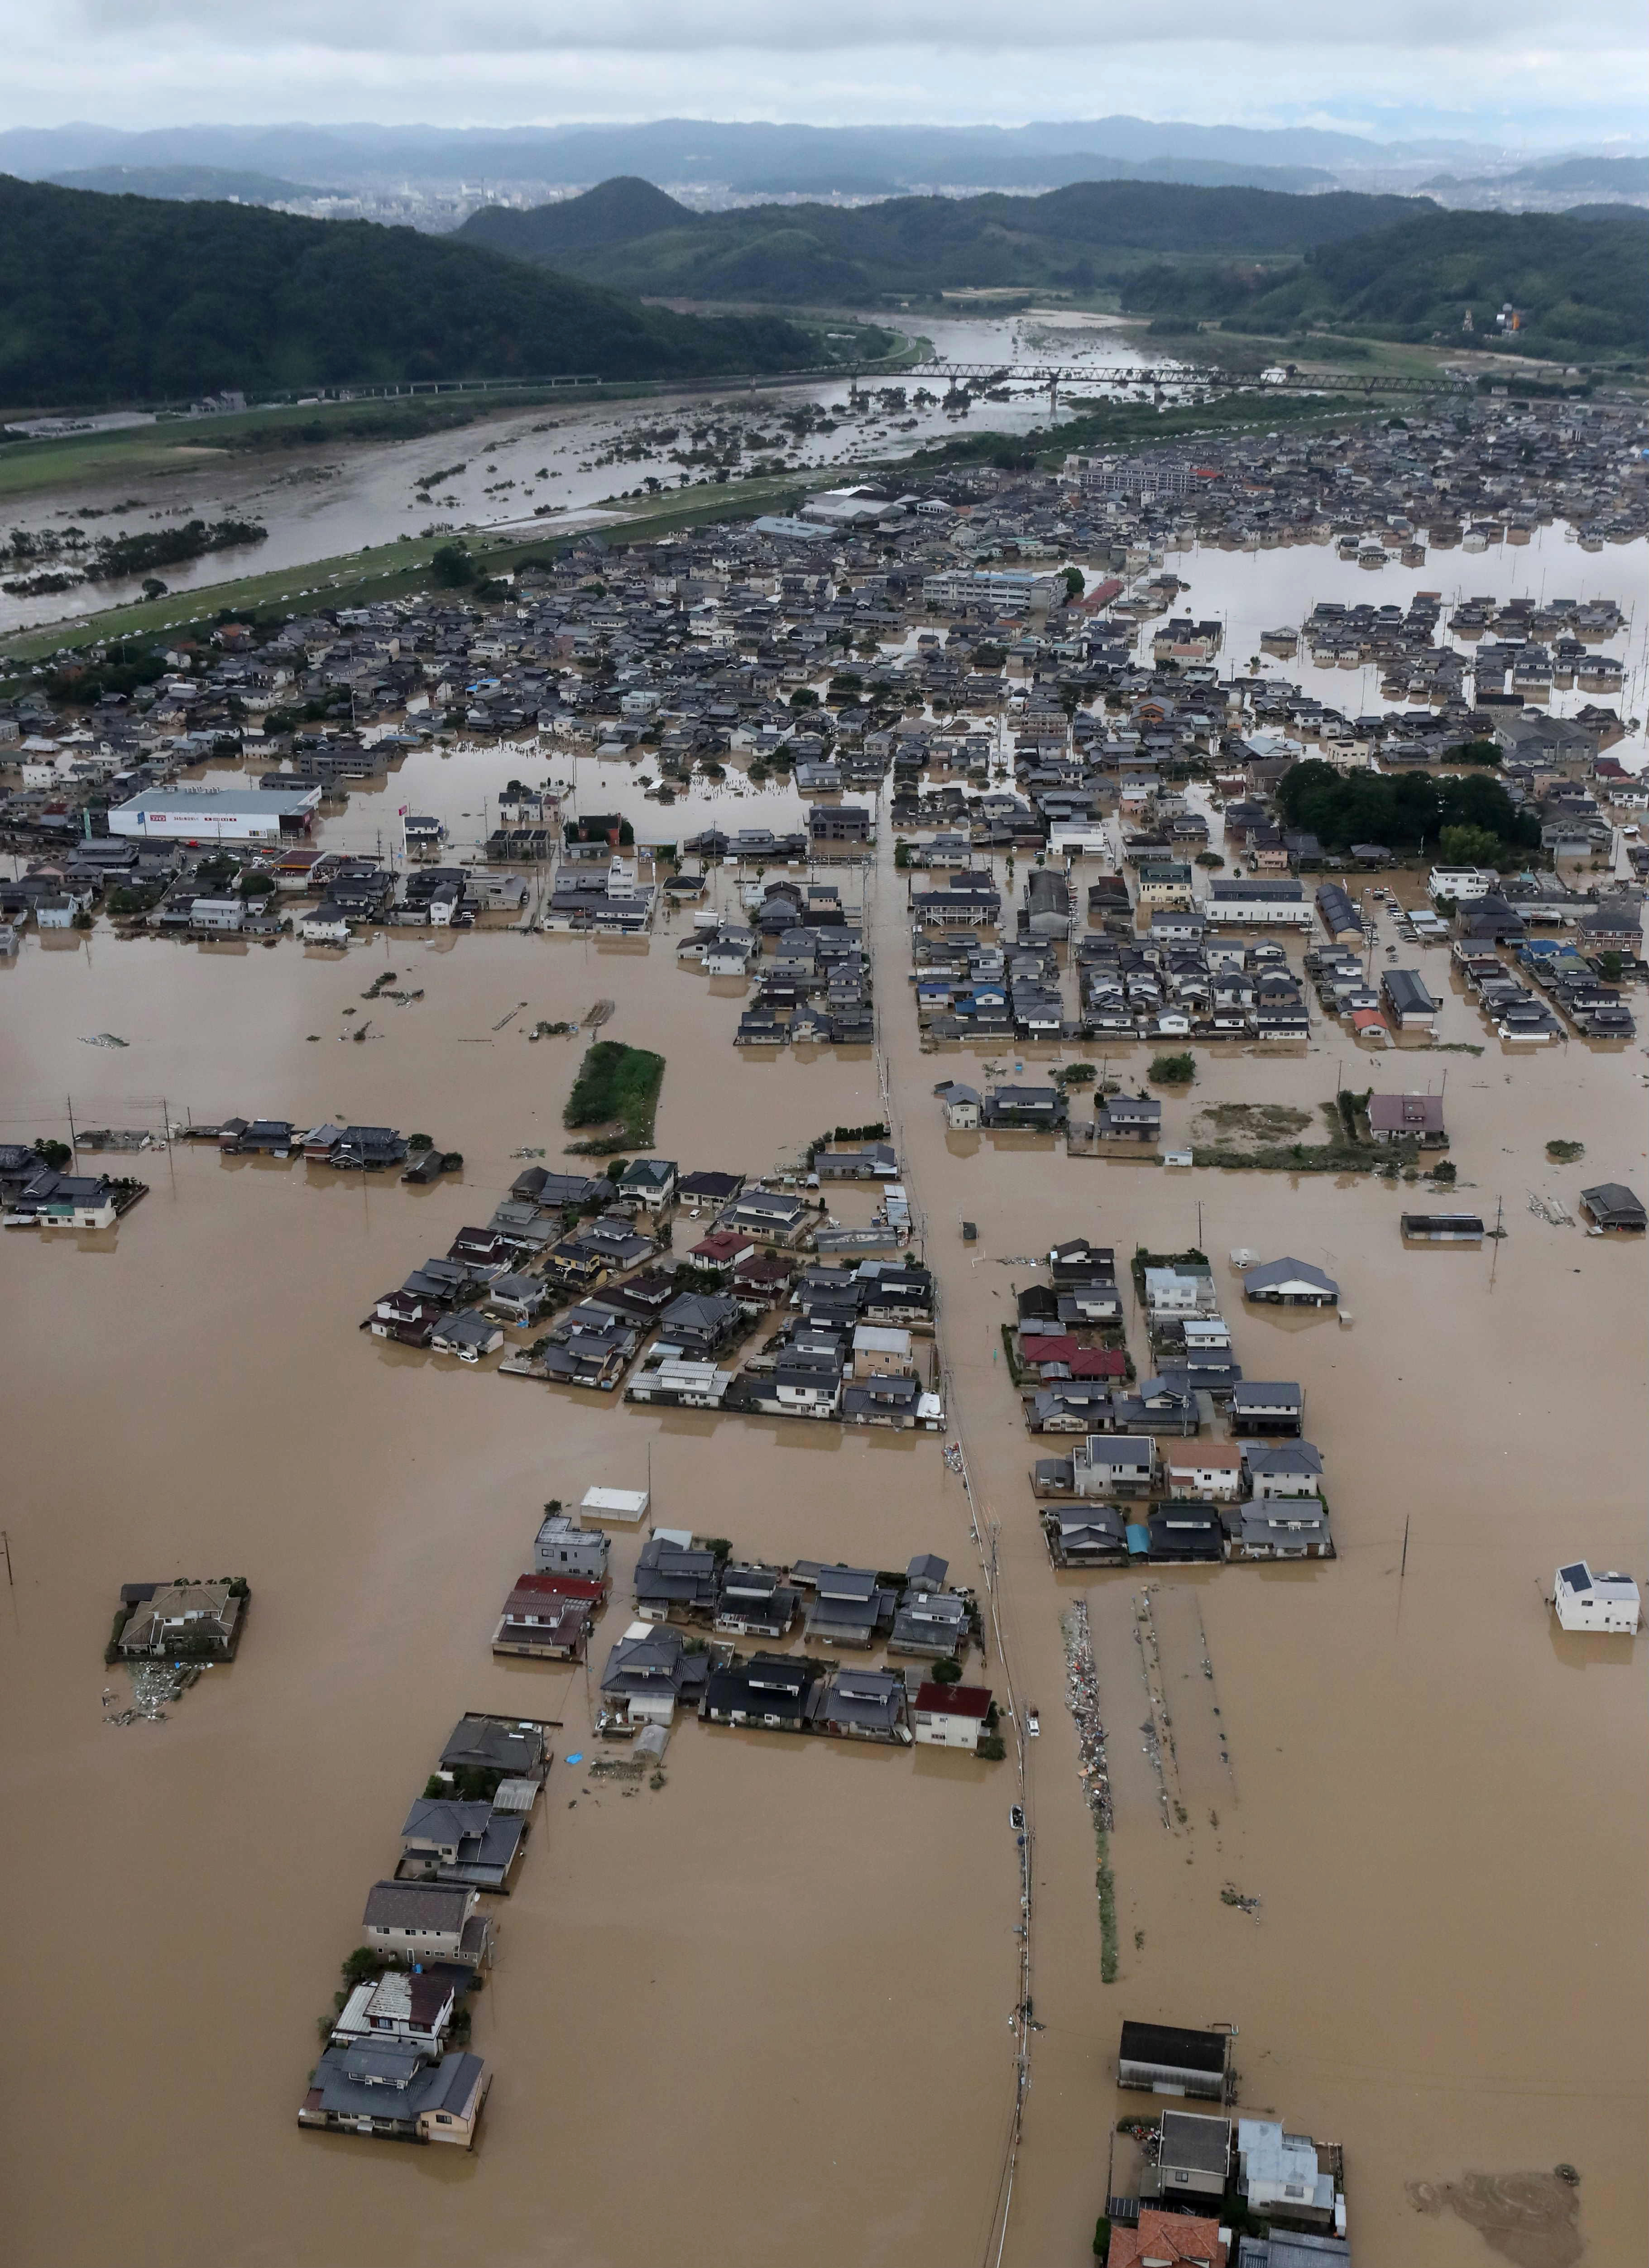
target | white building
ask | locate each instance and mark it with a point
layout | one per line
(215, 815)
(1464, 884)
(1210, 1470)
(1259, 901)
(1585, 1601)
(951, 1716)
(625, 1505)
(1010, 590)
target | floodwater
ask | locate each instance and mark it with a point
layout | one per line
(772, 2000)
(319, 504)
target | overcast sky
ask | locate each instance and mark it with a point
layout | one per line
(1497, 69)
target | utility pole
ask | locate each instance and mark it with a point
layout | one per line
(1494, 1265)
(73, 1139)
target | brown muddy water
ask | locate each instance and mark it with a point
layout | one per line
(771, 2001)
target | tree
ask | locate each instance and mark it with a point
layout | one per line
(946, 1672)
(1173, 1071)
(1075, 583)
(1468, 846)
(1610, 968)
(452, 566)
(54, 1154)
(257, 885)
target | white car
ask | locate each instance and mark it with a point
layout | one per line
(1033, 1724)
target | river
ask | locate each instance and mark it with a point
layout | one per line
(319, 504)
(795, 1961)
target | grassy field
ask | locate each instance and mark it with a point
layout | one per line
(616, 1085)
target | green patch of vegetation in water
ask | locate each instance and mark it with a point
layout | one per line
(615, 1084)
(1105, 1883)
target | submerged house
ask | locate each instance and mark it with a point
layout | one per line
(393, 2090)
(775, 1691)
(1291, 1283)
(866, 1704)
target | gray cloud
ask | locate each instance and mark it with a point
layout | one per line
(1502, 69)
(1490, 30)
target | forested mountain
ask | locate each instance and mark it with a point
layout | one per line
(133, 298)
(222, 182)
(1577, 278)
(632, 236)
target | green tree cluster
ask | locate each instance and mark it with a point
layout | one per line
(1407, 811)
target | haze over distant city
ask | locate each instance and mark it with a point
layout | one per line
(1508, 74)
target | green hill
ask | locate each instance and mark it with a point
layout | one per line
(1578, 277)
(914, 245)
(617, 212)
(135, 298)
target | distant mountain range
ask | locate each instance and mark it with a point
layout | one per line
(136, 298)
(633, 236)
(1616, 177)
(766, 158)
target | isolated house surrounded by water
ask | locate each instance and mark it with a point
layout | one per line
(1407, 1118)
(1585, 1601)
(1611, 1204)
(1291, 1283)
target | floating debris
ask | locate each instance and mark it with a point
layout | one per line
(156, 1686)
(104, 1040)
(1082, 1697)
(599, 1014)
(1231, 1896)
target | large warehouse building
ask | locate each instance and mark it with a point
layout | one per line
(215, 814)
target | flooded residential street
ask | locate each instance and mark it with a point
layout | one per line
(771, 2000)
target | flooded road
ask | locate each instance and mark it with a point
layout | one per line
(794, 1956)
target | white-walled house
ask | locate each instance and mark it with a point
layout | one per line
(951, 1716)
(1585, 1601)
(1210, 1470)
(1283, 1468)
